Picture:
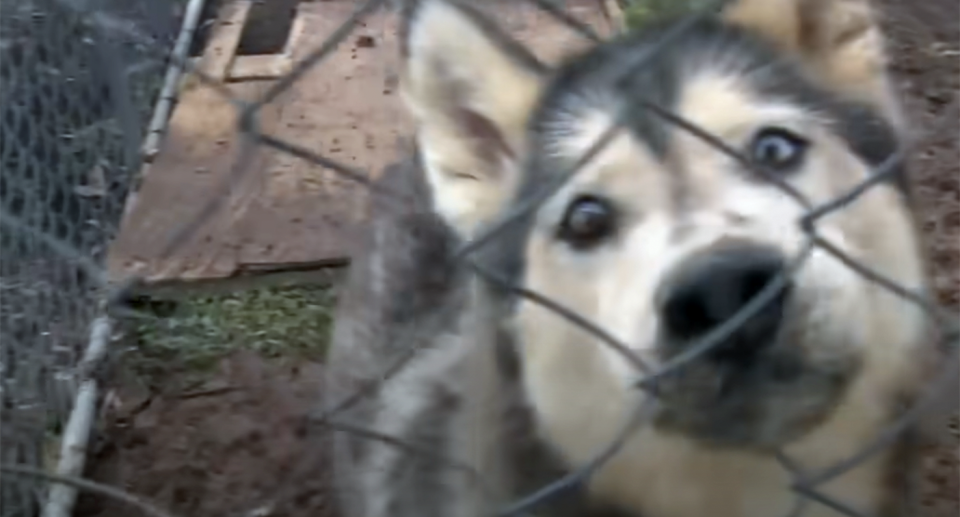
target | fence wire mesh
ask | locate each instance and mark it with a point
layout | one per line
(78, 80)
(71, 110)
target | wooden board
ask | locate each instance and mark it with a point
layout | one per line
(289, 213)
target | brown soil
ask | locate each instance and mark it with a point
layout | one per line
(245, 451)
(238, 446)
(925, 44)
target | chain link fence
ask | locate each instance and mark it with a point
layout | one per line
(72, 109)
(78, 80)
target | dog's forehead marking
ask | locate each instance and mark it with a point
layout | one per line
(725, 105)
(689, 168)
(717, 77)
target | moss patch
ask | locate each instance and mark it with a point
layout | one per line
(283, 323)
(638, 13)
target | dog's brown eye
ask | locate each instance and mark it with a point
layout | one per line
(587, 222)
(778, 150)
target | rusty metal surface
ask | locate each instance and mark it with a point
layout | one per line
(289, 213)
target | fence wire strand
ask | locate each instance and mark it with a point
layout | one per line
(71, 108)
(72, 114)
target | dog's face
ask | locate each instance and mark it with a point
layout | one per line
(661, 237)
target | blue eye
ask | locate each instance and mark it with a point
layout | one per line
(778, 150)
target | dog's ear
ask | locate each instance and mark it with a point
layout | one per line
(470, 89)
(839, 41)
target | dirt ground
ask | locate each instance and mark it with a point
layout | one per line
(925, 38)
(239, 445)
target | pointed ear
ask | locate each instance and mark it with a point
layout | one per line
(839, 41)
(470, 89)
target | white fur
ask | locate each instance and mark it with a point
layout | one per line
(580, 390)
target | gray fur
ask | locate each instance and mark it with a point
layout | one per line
(387, 296)
(459, 399)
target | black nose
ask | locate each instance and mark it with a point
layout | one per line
(712, 287)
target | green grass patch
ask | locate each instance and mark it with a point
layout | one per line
(285, 323)
(638, 13)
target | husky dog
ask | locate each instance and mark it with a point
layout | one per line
(657, 239)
